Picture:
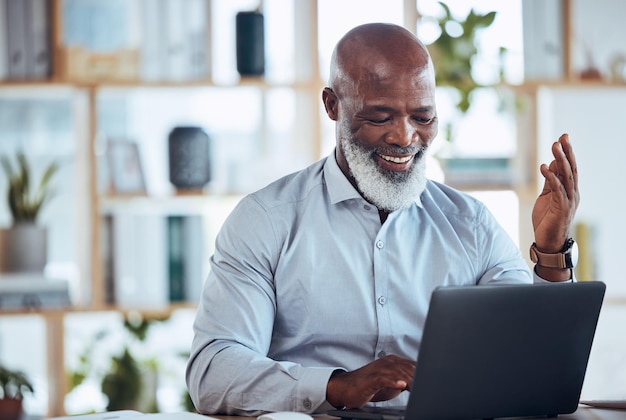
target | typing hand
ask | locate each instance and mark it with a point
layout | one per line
(380, 380)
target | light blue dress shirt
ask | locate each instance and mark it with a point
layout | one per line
(306, 280)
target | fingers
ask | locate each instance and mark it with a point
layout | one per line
(565, 168)
(556, 206)
(399, 370)
(380, 380)
(566, 146)
(562, 173)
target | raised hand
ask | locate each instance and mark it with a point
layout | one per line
(555, 208)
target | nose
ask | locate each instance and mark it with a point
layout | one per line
(402, 133)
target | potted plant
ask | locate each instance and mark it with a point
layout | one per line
(454, 50)
(23, 244)
(453, 53)
(13, 385)
(127, 380)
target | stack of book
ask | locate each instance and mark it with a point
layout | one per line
(25, 41)
(473, 172)
(32, 291)
(153, 260)
(128, 40)
(149, 40)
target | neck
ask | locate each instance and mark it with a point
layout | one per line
(383, 215)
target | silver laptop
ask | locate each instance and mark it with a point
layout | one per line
(500, 351)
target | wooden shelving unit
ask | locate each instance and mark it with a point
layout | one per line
(96, 204)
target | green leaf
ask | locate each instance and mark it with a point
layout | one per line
(453, 56)
(23, 203)
(122, 384)
(446, 9)
(49, 173)
(470, 21)
(14, 383)
(486, 20)
(24, 173)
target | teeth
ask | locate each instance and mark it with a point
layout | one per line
(397, 159)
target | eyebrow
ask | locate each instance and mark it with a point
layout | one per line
(382, 108)
(421, 109)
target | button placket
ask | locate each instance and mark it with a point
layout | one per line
(381, 280)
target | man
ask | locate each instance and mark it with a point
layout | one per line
(320, 282)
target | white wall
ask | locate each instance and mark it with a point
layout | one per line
(596, 122)
(595, 118)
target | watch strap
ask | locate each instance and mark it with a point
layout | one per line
(557, 260)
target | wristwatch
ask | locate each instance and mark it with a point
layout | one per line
(567, 258)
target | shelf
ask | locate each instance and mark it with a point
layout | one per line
(590, 84)
(178, 204)
(149, 313)
(263, 84)
(482, 186)
(257, 83)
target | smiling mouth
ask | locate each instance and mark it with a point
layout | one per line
(396, 159)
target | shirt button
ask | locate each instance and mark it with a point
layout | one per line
(366, 207)
(382, 300)
(307, 404)
(382, 354)
(380, 244)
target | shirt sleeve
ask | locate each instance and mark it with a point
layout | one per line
(501, 258)
(505, 261)
(229, 371)
(540, 280)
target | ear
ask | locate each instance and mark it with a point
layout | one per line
(331, 103)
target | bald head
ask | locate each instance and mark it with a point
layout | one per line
(382, 98)
(377, 51)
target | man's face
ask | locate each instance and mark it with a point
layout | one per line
(384, 127)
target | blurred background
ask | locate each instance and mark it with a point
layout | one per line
(125, 96)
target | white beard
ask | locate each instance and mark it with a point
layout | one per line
(387, 190)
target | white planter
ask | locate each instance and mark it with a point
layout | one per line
(23, 248)
(147, 398)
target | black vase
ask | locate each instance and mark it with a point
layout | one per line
(189, 157)
(250, 44)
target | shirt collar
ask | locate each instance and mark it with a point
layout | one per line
(338, 186)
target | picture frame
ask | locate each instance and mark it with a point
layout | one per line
(125, 168)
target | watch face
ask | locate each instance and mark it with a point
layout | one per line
(571, 257)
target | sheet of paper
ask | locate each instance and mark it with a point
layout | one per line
(619, 404)
(114, 415)
(176, 416)
(136, 415)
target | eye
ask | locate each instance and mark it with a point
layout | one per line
(379, 120)
(424, 120)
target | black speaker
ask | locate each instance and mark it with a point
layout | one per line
(250, 44)
(189, 157)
